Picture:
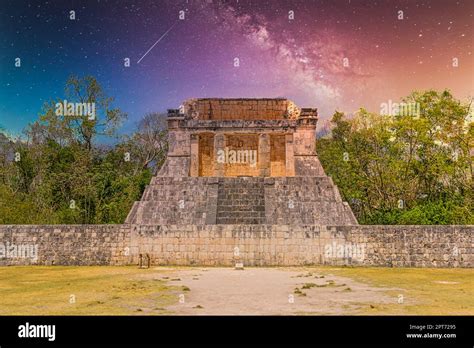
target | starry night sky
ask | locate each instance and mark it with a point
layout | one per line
(301, 59)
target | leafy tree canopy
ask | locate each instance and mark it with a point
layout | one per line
(405, 168)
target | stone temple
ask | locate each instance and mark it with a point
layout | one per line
(241, 161)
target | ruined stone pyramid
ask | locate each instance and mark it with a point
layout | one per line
(241, 161)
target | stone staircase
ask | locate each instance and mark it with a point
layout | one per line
(241, 201)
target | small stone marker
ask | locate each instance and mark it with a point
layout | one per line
(239, 266)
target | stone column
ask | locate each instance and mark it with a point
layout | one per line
(264, 154)
(219, 144)
(289, 155)
(194, 167)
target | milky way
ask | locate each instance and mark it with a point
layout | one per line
(326, 54)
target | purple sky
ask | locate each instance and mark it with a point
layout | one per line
(301, 59)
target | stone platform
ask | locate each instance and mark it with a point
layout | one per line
(246, 200)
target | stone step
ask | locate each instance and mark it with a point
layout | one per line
(241, 201)
(243, 214)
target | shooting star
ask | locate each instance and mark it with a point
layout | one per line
(162, 36)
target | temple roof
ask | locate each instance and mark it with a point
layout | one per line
(240, 109)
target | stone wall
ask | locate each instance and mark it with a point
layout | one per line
(305, 200)
(177, 200)
(308, 166)
(64, 244)
(242, 142)
(240, 109)
(254, 245)
(260, 245)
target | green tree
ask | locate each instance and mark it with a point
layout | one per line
(66, 175)
(405, 168)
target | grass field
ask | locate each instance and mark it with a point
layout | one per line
(98, 290)
(92, 291)
(425, 291)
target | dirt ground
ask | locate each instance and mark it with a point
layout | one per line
(270, 291)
